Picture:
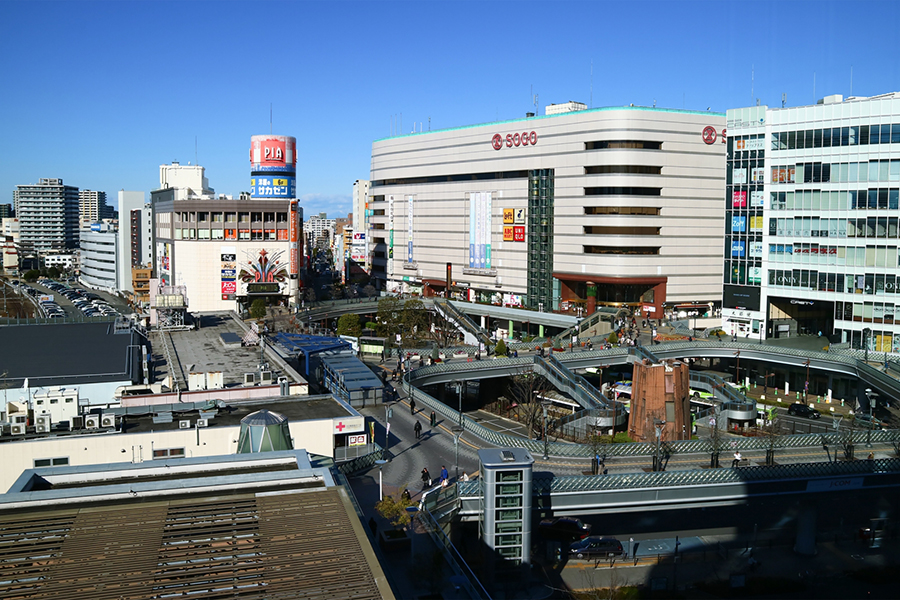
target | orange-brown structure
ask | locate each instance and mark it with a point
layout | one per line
(660, 393)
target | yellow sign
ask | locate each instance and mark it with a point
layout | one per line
(508, 233)
(281, 182)
(509, 215)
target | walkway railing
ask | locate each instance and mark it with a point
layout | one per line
(462, 320)
(575, 385)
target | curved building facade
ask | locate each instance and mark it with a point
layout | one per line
(609, 206)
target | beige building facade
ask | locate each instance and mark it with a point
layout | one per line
(616, 206)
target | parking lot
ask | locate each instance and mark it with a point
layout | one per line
(66, 301)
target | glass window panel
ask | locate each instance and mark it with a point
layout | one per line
(895, 133)
(883, 170)
(853, 172)
(846, 138)
(894, 198)
(863, 135)
(894, 170)
(863, 171)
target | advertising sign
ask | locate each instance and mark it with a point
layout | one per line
(756, 249)
(229, 274)
(739, 199)
(757, 175)
(756, 223)
(480, 206)
(519, 233)
(273, 153)
(737, 249)
(359, 237)
(738, 224)
(739, 176)
(756, 199)
(520, 216)
(509, 216)
(754, 275)
(229, 287)
(409, 228)
(507, 233)
(282, 186)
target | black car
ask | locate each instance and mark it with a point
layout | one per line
(564, 529)
(596, 546)
(802, 410)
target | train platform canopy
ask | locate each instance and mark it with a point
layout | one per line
(306, 348)
(350, 379)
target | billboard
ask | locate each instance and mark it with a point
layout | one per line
(738, 224)
(756, 199)
(278, 186)
(739, 199)
(756, 249)
(737, 249)
(409, 228)
(480, 206)
(273, 153)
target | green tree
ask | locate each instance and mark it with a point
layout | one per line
(53, 273)
(258, 308)
(394, 510)
(31, 276)
(414, 319)
(349, 325)
(612, 338)
(500, 348)
(390, 316)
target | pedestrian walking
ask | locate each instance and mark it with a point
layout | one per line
(426, 478)
(444, 475)
(394, 375)
(412, 406)
(418, 429)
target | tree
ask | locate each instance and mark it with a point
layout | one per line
(414, 319)
(349, 325)
(53, 273)
(369, 291)
(309, 294)
(612, 338)
(500, 348)
(524, 388)
(394, 510)
(31, 276)
(389, 315)
(258, 308)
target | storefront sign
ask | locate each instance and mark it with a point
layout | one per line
(514, 139)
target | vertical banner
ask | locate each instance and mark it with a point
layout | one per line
(293, 238)
(480, 207)
(390, 264)
(449, 278)
(409, 224)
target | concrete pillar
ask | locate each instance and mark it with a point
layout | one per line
(591, 298)
(806, 530)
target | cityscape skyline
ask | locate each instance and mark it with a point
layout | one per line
(157, 83)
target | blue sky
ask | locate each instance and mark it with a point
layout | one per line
(101, 94)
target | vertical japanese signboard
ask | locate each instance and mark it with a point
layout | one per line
(480, 206)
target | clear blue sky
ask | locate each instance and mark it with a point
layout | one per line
(101, 94)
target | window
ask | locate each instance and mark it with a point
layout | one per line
(168, 453)
(623, 144)
(51, 462)
(621, 210)
(620, 250)
(622, 169)
(621, 230)
(622, 191)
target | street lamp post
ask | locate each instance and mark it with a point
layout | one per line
(737, 373)
(867, 333)
(380, 462)
(544, 428)
(459, 389)
(457, 433)
(869, 430)
(658, 426)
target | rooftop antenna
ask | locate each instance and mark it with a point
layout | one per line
(783, 100)
(592, 84)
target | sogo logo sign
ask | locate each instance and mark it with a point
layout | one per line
(514, 139)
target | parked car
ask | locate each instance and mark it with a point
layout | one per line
(564, 529)
(801, 410)
(596, 546)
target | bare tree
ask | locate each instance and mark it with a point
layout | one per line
(524, 388)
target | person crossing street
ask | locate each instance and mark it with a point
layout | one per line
(418, 429)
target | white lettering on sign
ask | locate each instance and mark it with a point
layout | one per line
(356, 440)
(833, 485)
(278, 153)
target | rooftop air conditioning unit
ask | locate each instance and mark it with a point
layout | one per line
(42, 428)
(184, 424)
(91, 421)
(265, 377)
(249, 378)
(107, 420)
(17, 429)
(202, 422)
(43, 421)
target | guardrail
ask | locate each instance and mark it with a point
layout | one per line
(585, 394)
(463, 321)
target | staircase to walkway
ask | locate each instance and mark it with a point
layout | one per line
(473, 334)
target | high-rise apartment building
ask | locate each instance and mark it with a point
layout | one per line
(319, 227)
(135, 233)
(92, 207)
(359, 249)
(812, 223)
(48, 214)
(6, 211)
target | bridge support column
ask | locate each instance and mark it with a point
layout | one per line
(806, 530)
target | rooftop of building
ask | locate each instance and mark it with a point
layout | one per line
(53, 354)
(267, 524)
(561, 115)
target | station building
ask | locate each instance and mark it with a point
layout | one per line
(616, 206)
(811, 227)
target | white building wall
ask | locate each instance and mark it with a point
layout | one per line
(129, 201)
(99, 257)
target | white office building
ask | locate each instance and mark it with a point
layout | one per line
(99, 252)
(812, 211)
(618, 206)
